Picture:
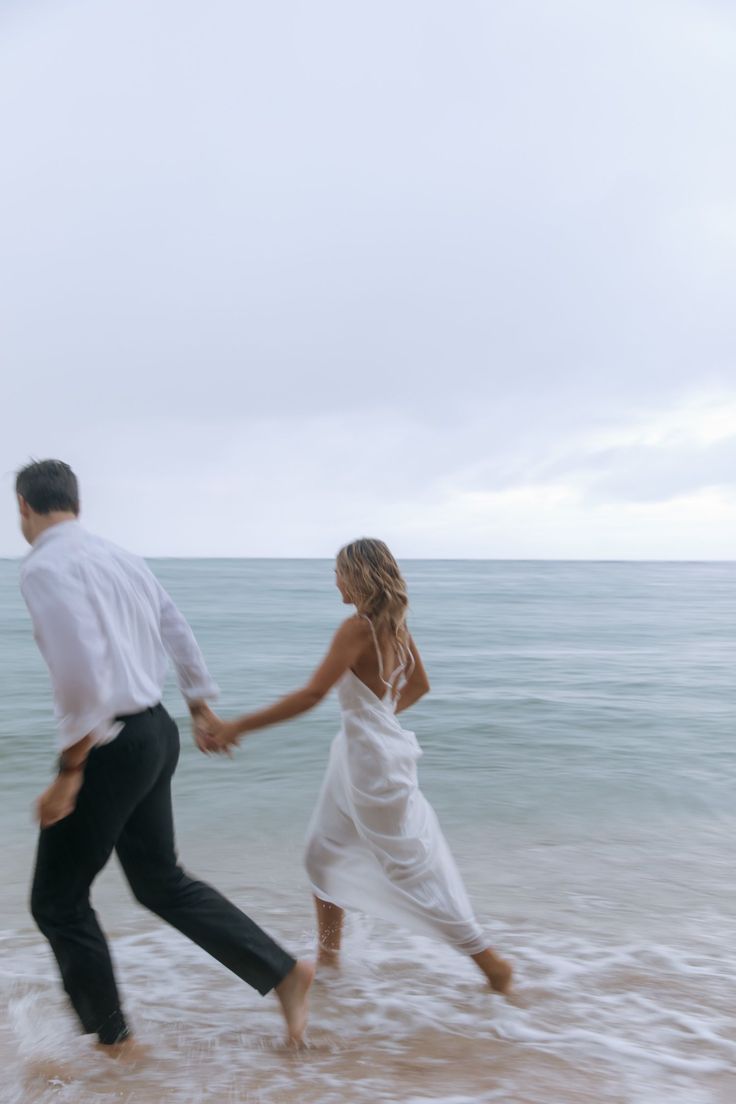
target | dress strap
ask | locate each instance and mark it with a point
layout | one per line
(378, 650)
(402, 672)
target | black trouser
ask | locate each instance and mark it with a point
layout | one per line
(125, 803)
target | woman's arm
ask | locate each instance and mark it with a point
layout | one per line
(418, 683)
(347, 645)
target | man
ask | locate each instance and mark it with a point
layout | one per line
(105, 627)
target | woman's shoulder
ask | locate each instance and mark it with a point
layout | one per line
(355, 626)
(355, 630)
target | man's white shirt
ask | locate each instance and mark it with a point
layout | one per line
(106, 629)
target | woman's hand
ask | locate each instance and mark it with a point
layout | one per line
(225, 735)
(212, 735)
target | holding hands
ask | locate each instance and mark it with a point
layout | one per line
(212, 735)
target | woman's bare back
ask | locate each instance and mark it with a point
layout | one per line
(380, 654)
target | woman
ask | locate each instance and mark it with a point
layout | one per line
(374, 842)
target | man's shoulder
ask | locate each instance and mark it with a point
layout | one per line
(72, 558)
(101, 544)
(43, 575)
(112, 558)
(38, 562)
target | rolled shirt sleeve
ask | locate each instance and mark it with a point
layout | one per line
(195, 681)
(68, 635)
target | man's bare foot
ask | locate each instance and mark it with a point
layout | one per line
(498, 971)
(293, 996)
(129, 1050)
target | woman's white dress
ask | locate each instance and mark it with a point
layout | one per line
(374, 842)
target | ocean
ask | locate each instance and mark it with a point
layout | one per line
(579, 751)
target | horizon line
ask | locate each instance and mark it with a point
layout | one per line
(437, 559)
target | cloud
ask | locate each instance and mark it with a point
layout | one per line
(287, 271)
(658, 455)
(659, 484)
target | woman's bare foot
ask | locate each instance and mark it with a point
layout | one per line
(293, 996)
(328, 959)
(501, 976)
(498, 971)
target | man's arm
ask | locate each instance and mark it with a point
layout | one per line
(60, 798)
(69, 639)
(195, 681)
(68, 635)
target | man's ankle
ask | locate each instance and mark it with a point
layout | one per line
(114, 1030)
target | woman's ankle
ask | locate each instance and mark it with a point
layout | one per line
(328, 956)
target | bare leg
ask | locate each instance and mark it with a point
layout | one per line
(497, 970)
(293, 996)
(329, 927)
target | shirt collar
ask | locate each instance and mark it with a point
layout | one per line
(60, 529)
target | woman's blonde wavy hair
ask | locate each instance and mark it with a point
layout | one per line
(376, 586)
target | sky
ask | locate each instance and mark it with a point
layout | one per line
(457, 274)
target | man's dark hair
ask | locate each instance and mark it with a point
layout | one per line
(48, 485)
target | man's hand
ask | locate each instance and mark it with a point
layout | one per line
(204, 724)
(60, 799)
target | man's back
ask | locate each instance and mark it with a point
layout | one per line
(106, 628)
